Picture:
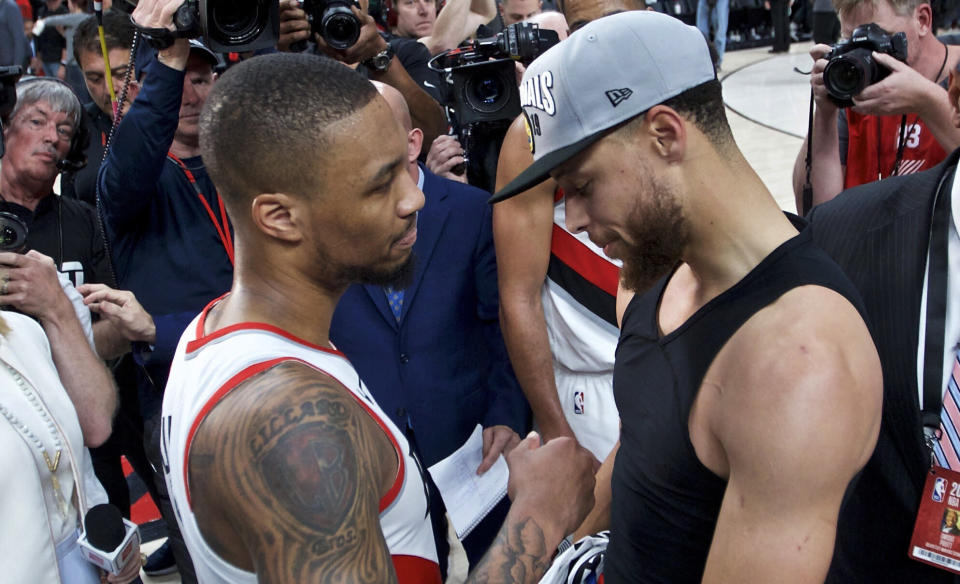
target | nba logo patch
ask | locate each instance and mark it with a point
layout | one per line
(578, 402)
(939, 489)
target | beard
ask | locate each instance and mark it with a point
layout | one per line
(659, 234)
(397, 277)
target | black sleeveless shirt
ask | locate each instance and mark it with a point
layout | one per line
(665, 501)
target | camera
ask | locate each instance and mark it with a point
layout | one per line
(13, 232)
(228, 26)
(334, 21)
(851, 67)
(485, 90)
(8, 96)
(486, 98)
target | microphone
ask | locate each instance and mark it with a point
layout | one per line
(108, 540)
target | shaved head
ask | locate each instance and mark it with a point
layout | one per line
(397, 104)
(283, 149)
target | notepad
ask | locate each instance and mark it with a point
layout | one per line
(468, 496)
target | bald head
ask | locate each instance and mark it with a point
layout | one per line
(551, 21)
(398, 105)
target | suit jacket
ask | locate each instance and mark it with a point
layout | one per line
(878, 234)
(444, 367)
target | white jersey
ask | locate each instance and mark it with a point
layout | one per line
(579, 300)
(207, 367)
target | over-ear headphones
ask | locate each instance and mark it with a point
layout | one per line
(76, 157)
(383, 12)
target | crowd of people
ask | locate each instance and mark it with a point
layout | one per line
(264, 279)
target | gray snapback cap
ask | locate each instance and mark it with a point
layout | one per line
(606, 73)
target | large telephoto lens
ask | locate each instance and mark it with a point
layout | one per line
(339, 27)
(235, 22)
(847, 75)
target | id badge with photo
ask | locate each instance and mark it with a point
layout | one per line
(936, 534)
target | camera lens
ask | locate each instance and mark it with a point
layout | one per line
(486, 94)
(236, 22)
(7, 236)
(847, 75)
(339, 27)
(13, 232)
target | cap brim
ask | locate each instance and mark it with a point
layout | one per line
(539, 171)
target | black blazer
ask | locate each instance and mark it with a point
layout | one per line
(878, 233)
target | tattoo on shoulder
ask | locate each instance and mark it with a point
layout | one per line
(306, 466)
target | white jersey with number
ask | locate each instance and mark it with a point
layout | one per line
(207, 367)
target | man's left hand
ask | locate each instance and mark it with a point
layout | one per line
(120, 308)
(30, 283)
(904, 91)
(497, 440)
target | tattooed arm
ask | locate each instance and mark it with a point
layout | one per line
(287, 473)
(286, 477)
(551, 489)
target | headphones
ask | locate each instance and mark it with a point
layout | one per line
(76, 157)
(383, 12)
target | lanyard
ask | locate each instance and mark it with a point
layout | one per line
(223, 229)
(936, 307)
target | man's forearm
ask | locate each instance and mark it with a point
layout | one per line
(525, 334)
(140, 146)
(109, 340)
(521, 552)
(826, 173)
(938, 116)
(86, 379)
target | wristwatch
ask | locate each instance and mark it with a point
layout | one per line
(381, 61)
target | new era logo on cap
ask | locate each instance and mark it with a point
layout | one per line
(631, 61)
(618, 96)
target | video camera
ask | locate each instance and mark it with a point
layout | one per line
(228, 26)
(486, 96)
(484, 75)
(851, 67)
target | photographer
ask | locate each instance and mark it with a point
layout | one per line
(171, 240)
(858, 145)
(401, 65)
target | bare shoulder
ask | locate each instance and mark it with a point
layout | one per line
(286, 474)
(804, 369)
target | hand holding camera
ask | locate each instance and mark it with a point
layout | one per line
(343, 41)
(859, 70)
(29, 283)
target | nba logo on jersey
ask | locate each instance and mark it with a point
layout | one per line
(578, 402)
(939, 489)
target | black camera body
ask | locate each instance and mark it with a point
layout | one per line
(485, 90)
(852, 68)
(334, 21)
(486, 95)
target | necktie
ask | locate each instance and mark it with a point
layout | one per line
(395, 299)
(948, 447)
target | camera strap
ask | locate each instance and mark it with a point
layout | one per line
(222, 226)
(933, 348)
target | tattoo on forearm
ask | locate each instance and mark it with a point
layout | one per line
(306, 466)
(518, 556)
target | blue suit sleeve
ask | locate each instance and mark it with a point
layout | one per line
(506, 404)
(129, 174)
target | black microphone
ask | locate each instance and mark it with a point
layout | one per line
(108, 540)
(105, 528)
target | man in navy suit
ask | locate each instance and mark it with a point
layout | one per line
(432, 354)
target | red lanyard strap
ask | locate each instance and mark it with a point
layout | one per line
(223, 229)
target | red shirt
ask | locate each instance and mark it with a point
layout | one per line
(874, 139)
